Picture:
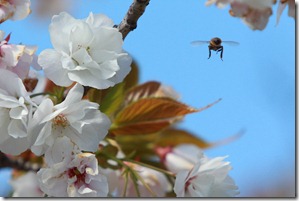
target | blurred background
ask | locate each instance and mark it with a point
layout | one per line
(256, 80)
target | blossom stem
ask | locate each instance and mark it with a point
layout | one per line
(134, 179)
(134, 175)
(126, 184)
(129, 23)
(138, 177)
(41, 94)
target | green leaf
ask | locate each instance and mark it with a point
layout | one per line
(103, 155)
(113, 99)
(132, 78)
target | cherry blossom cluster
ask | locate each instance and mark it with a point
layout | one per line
(14, 9)
(86, 53)
(196, 174)
(254, 13)
(62, 131)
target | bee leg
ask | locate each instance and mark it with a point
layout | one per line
(218, 51)
(209, 52)
(221, 53)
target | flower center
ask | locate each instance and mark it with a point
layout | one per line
(75, 172)
(60, 120)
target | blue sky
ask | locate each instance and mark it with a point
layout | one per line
(256, 80)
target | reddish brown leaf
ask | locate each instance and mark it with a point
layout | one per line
(152, 109)
(209, 105)
(142, 91)
(141, 128)
(174, 137)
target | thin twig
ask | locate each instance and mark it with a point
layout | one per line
(129, 23)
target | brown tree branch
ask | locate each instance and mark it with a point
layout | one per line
(129, 23)
(18, 164)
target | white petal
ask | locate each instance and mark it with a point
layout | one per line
(107, 38)
(98, 20)
(86, 141)
(12, 54)
(51, 116)
(60, 29)
(86, 78)
(14, 146)
(43, 110)
(8, 101)
(175, 163)
(180, 181)
(100, 55)
(52, 183)
(77, 111)
(17, 129)
(124, 63)
(95, 129)
(34, 126)
(34, 63)
(50, 60)
(81, 36)
(22, 9)
(17, 89)
(73, 96)
(44, 133)
(68, 63)
(82, 57)
(18, 112)
(61, 151)
(23, 66)
(106, 69)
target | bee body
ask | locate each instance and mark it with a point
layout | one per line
(215, 45)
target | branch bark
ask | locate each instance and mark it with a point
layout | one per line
(17, 164)
(129, 23)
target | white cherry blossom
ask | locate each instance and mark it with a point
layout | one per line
(14, 10)
(17, 58)
(254, 13)
(256, 4)
(207, 178)
(87, 51)
(80, 120)
(26, 186)
(15, 111)
(182, 157)
(71, 173)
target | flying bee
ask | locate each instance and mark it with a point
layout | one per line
(214, 44)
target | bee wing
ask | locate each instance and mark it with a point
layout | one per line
(199, 42)
(232, 43)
